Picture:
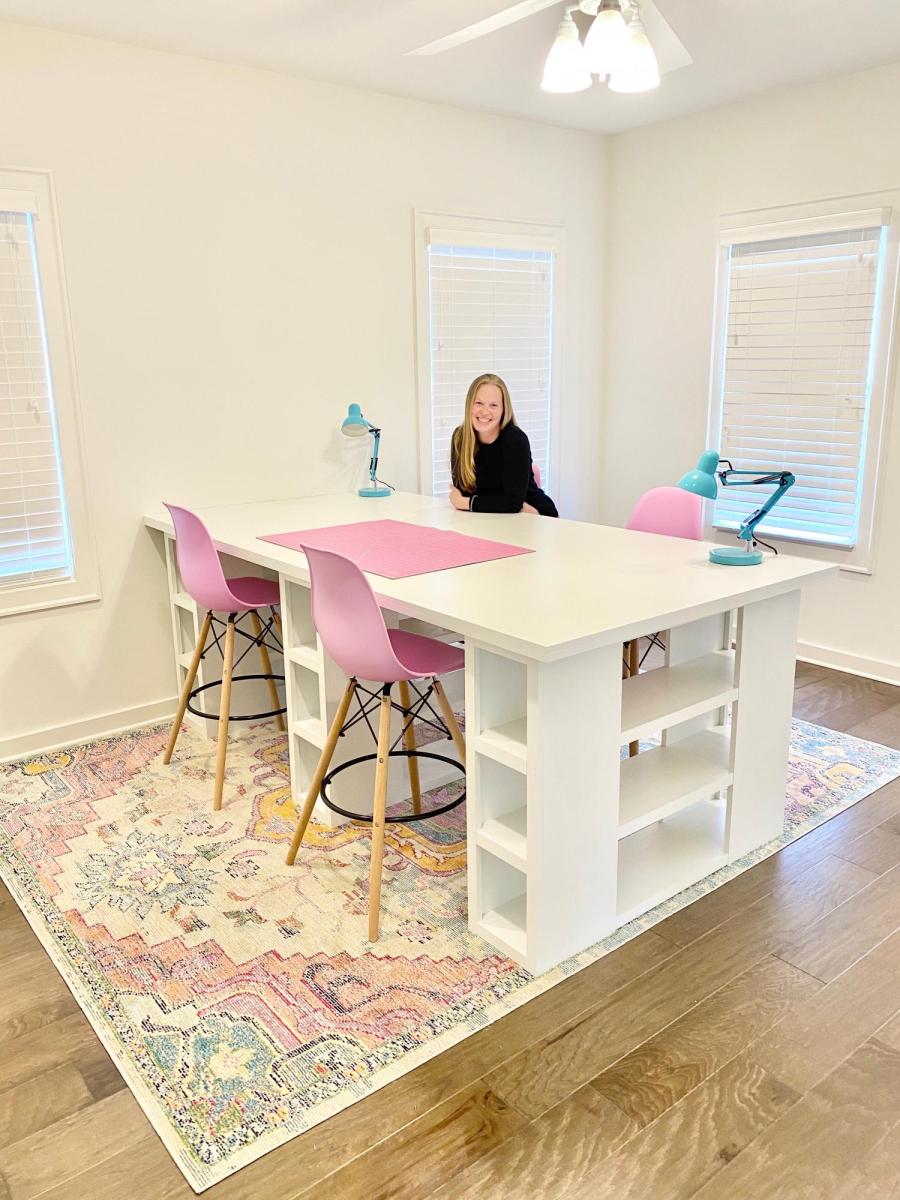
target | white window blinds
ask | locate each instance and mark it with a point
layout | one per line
(34, 538)
(490, 310)
(796, 376)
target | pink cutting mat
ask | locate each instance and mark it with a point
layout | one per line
(396, 549)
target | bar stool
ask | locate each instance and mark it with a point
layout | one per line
(351, 626)
(676, 513)
(204, 580)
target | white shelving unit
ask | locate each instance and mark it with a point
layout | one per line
(674, 798)
(669, 804)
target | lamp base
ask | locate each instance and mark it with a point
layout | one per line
(735, 556)
(371, 492)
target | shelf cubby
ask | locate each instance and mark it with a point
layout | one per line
(667, 696)
(500, 728)
(503, 903)
(505, 744)
(305, 655)
(503, 821)
(662, 859)
(659, 783)
(305, 707)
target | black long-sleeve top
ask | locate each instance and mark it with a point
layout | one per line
(503, 476)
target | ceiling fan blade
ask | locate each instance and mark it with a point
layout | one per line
(508, 16)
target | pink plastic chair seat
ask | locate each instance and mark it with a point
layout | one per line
(424, 655)
(669, 510)
(254, 592)
(202, 574)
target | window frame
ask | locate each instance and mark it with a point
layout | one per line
(35, 188)
(809, 218)
(483, 231)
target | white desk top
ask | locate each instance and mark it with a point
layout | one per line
(586, 585)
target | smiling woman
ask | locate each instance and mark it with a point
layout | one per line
(490, 456)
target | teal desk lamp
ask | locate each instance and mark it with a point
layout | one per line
(356, 425)
(702, 481)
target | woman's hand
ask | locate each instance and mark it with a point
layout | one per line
(529, 508)
(458, 500)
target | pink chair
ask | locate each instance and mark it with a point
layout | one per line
(536, 473)
(675, 513)
(351, 626)
(668, 510)
(204, 580)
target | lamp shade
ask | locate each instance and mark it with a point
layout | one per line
(607, 43)
(638, 70)
(355, 424)
(702, 480)
(566, 67)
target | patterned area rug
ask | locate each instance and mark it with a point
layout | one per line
(240, 998)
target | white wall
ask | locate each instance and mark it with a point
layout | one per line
(240, 265)
(668, 185)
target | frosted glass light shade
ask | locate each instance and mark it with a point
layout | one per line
(607, 42)
(639, 71)
(566, 67)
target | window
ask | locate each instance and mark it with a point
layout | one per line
(47, 555)
(486, 304)
(800, 370)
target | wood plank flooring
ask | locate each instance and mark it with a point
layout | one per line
(747, 1046)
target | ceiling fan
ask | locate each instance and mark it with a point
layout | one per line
(616, 48)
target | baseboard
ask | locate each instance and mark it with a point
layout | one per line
(57, 737)
(837, 660)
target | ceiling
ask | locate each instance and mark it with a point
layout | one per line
(738, 47)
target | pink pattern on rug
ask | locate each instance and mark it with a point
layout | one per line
(397, 549)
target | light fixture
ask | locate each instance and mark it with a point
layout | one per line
(639, 70)
(356, 425)
(702, 481)
(566, 68)
(616, 47)
(607, 41)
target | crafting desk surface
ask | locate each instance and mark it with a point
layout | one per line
(586, 585)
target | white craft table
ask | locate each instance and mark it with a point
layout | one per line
(566, 842)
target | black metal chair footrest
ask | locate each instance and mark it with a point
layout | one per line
(406, 818)
(276, 712)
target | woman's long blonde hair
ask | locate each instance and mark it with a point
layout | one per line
(465, 440)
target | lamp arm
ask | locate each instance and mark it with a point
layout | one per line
(373, 461)
(732, 478)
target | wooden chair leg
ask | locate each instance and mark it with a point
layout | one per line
(634, 667)
(224, 711)
(188, 684)
(324, 761)
(409, 743)
(267, 668)
(450, 720)
(381, 783)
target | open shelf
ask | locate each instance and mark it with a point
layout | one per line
(506, 837)
(505, 744)
(661, 782)
(666, 857)
(506, 925)
(183, 600)
(669, 695)
(310, 729)
(305, 656)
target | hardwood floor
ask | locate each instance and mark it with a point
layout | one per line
(748, 1046)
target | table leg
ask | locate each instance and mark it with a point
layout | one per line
(764, 674)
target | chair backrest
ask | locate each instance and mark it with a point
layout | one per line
(348, 619)
(536, 472)
(198, 562)
(669, 510)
